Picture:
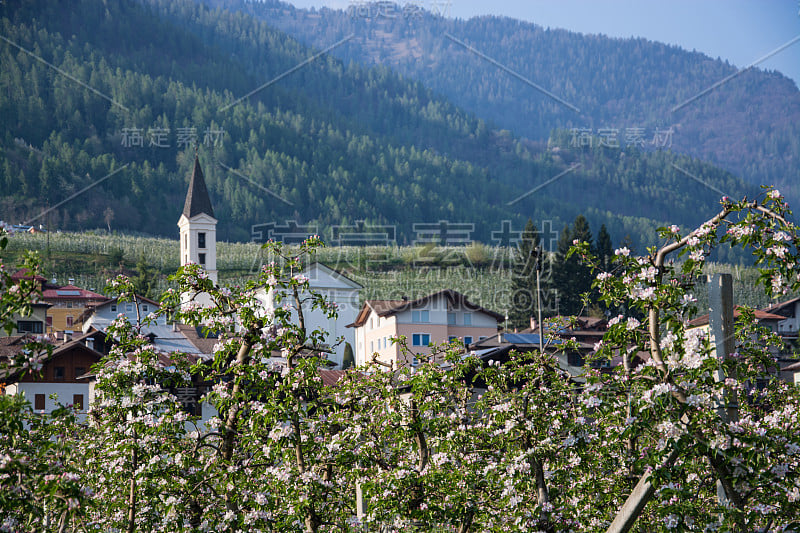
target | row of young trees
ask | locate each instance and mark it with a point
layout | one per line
(457, 443)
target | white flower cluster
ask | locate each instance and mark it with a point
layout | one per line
(741, 231)
(657, 390)
(630, 324)
(694, 351)
(281, 431)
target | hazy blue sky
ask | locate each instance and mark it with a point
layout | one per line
(741, 31)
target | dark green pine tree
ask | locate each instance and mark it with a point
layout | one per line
(523, 278)
(571, 277)
(604, 249)
(144, 282)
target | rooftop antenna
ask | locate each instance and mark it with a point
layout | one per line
(48, 233)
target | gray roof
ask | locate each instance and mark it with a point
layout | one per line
(197, 200)
(166, 340)
(527, 338)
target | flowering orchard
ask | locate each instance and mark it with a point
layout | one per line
(454, 444)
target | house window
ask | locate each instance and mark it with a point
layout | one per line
(451, 319)
(48, 321)
(128, 308)
(38, 402)
(371, 323)
(114, 308)
(185, 240)
(372, 346)
(145, 308)
(69, 304)
(467, 319)
(451, 338)
(77, 401)
(202, 258)
(201, 240)
(58, 373)
(414, 361)
(30, 326)
(79, 371)
(420, 339)
(420, 317)
(467, 341)
(69, 321)
(575, 359)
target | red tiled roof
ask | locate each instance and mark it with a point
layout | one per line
(25, 273)
(760, 315)
(70, 292)
(781, 305)
(331, 377)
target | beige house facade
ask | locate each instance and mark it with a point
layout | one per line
(437, 318)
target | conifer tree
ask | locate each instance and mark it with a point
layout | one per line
(144, 281)
(523, 279)
(604, 249)
(570, 277)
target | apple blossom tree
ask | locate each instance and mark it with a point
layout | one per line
(456, 443)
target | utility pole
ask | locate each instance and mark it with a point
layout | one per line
(539, 252)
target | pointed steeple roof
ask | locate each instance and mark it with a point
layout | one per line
(197, 200)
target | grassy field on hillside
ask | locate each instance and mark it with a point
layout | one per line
(480, 272)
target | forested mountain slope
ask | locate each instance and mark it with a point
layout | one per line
(750, 124)
(328, 143)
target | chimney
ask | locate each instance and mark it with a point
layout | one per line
(71, 281)
(533, 324)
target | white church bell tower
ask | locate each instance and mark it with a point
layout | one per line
(198, 227)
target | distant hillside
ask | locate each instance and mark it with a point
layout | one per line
(115, 90)
(749, 125)
(477, 271)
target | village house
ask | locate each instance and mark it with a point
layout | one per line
(584, 332)
(34, 323)
(780, 318)
(440, 317)
(66, 304)
(100, 315)
(61, 373)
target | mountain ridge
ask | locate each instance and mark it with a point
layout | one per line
(339, 143)
(749, 125)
